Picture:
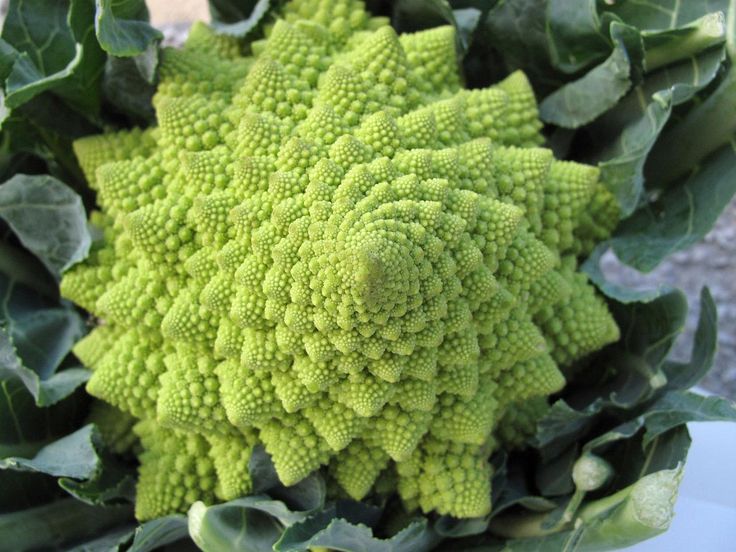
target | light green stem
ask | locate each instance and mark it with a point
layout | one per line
(644, 510)
(705, 129)
(708, 31)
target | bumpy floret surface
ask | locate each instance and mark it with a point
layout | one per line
(331, 249)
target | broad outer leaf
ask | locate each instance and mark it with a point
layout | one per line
(664, 14)
(48, 218)
(626, 147)
(680, 407)
(554, 477)
(253, 523)
(626, 134)
(518, 29)
(122, 27)
(563, 425)
(576, 37)
(414, 15)
(453, 528)
(45, 392)
(684, 375)
(36, 333)
(72, 456)
(127, 89)
(580, 101)
(340, 534)
(592, 267)
(47, 51)
(27, 428)
(159, 532)
(66, 524)
(682, 216)
(648, 330)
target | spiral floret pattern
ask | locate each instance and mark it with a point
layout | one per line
(331, 249)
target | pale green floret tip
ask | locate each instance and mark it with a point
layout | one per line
(333, 250)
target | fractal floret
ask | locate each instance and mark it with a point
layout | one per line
(329, 248)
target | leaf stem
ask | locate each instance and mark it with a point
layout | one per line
(63, 521)
(706, 32)
(706, 127)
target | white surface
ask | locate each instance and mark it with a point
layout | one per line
(705, 513)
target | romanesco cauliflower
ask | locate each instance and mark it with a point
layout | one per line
(332, 249)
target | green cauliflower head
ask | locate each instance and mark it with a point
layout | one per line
(332, 249)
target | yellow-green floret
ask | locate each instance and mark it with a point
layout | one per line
(331, 249)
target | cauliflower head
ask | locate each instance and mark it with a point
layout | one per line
(330, 248)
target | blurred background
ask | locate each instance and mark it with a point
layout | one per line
(711, 263)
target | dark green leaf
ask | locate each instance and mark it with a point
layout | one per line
(622, 294)
(628, 132)
(8, 55)
(554, 478)
(622, 432)
(47, 391)
(580, 101)
(26, 428)
(627, 139)
(648, 330)
(562, 425)
(83, 90)
(308, 494)
(253, 523)
(230, 11)
(576, 37)
(449, 527)
(511, 487)
(664, 14)
(632, 457)
(711, 119)
(61, 524)
(72, 456)
(36, 334)
(159, 532)
(122, 27)
(680, 217)
(666, 451)
(338, 534)
(415, 15)
(685, 375)
(115, 540)
(113, 484)
(127, 90)
(48, 218)
(565, 541)
(19, 491)
(48, 51)
(518, 29)
(242, 26)
(680, 407)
